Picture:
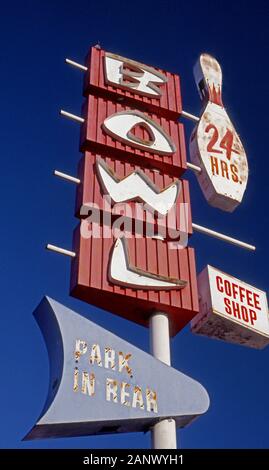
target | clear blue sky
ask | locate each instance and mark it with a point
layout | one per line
(36, 36)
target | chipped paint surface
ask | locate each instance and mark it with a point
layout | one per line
(88, 383)
(123, 362)
(105, 384)
(122, 127)
(126, 394)
(75, 386)
(116, 78)
(215, 145)
(231, 310)
(129, 74)
(90, 280)
(217, 149)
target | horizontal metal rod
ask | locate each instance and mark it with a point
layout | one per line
(193, 167)
(66, 177)
(190, 116)
(62, 251)
(184, 114)
(221, 236)
(74, 117)
(76, 64)
(195, 227)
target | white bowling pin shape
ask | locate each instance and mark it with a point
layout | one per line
(214, 144)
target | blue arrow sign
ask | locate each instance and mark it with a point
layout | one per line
(100, 383)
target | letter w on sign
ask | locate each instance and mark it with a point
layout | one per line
(137, 186)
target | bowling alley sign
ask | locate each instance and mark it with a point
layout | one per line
(134, 154)
(214, 144)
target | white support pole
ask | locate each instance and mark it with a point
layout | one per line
(76, 64)
(221, 236)
(190, 116)
(163, 433)
(195, 168)
(74, 117)
(66, 177)
(62, 251)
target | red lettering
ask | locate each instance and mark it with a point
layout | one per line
(214, 165)
(235, 290)
(214, 138)
(227, 144)
(236, 310)
(249, 297)
(244, 312)
(219, 283)
(228, 306)
(253, 316)
(241, 293)
(243, 296)
(227, 287)
(256, 298)
(224, 170)
(234, 171)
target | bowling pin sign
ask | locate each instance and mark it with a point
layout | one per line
(214, 144)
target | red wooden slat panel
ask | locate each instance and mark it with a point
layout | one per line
(89, 274)
(132, 251)
(163, 266)
(105, 260)
(141, 262)
(173, 270)
(94, 138)
(90, 190)
(89, 279)
(152, 266)
(186, 298)
(168, 105)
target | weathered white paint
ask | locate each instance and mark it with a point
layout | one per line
(129, 74)
(215, 145)
(120, 272)
(120, 125)
(137, 186)
(231, 310)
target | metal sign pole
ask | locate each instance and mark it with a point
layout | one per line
(163, 434)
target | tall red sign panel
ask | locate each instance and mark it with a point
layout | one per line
(99, 82)
(133, 155)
